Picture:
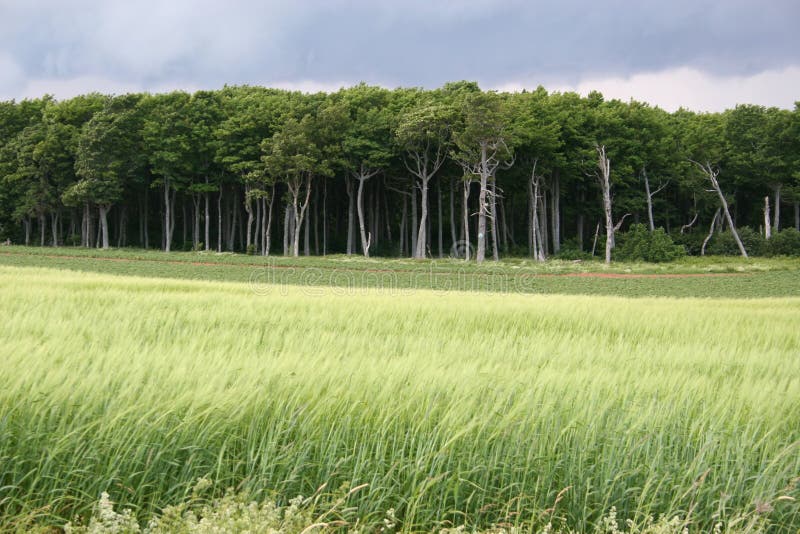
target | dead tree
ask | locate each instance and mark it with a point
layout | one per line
(767, 222)
(650, 195)
(710, 232)
(711, 173)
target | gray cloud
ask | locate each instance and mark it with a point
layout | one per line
(154, 44)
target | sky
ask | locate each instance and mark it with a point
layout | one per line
(705, 55)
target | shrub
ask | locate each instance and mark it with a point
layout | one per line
(785, 243)
(639, 244)
(691, 241)
(251, 250)
(571, 250)
(725, 245)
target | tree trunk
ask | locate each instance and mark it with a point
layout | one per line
(325, 218)
(493, 221)
(268, 231)
(402, 228)
(767, 222)
(350, 216)
(365, 239)
(439, 213)
(167, 218)
(248, 207)
(315, 213)
(480, 252)
(797, 215)
(555, 212)
(604, 176)
(145, 222)
(712, 176)
(234, 220)
(649, 197)
(466, 243)
(453, 230)
(103, 208)
(414, 224)
(257, 229)
(207, 242)
(710, 232)
(421, 241)
(543, 234)
(219, 220)
(286, 215)
(776, 225)
(535, 232)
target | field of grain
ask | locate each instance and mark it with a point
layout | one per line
(454, 407)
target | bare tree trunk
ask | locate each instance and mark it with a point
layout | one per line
(453, 230)
(712, 174)
(219, 220)
(545, 240)
(776, 224)
(257, 233)
(555, 212)
(710, 232)
(402, 228)
(196, 221)
(325, 218)
(420, 245)
(268, 231)
(365, 238)
(439, 213)
(466, 219)
(315, 213)
(26, 223)
(596, 234)
(299, 212)
(493, 219)
(537, 250)
(248, 207)
(797, 215)
(167, 217)
(386, 214)
(604, 176)
(103, 208)
(350, 216)
(234, 221)
(207, 242)
(767, 222)
(145, 223)
(480, 253)
(649, 197)
(414, 224)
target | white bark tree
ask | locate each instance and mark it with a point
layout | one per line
(711, 174)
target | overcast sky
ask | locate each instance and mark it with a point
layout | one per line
(700, 54)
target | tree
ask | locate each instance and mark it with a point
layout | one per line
(367, 143)
(482, 146)
(423, 134)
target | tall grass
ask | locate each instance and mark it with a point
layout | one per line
(454, 407)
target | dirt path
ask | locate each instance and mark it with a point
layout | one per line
(377, 270)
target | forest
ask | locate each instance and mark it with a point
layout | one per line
(450, 172)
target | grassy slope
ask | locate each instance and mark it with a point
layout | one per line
(453, 406)
(753, 278)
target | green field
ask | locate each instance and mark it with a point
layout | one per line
(730, 277)
(456, 408)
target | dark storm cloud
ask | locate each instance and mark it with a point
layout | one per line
(152, 44)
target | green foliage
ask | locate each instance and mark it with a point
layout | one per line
(785, 243)
(639, 244)
(723, 244)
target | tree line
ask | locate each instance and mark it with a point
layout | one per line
(454, 171)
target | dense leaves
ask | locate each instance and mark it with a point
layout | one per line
(409, 171)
